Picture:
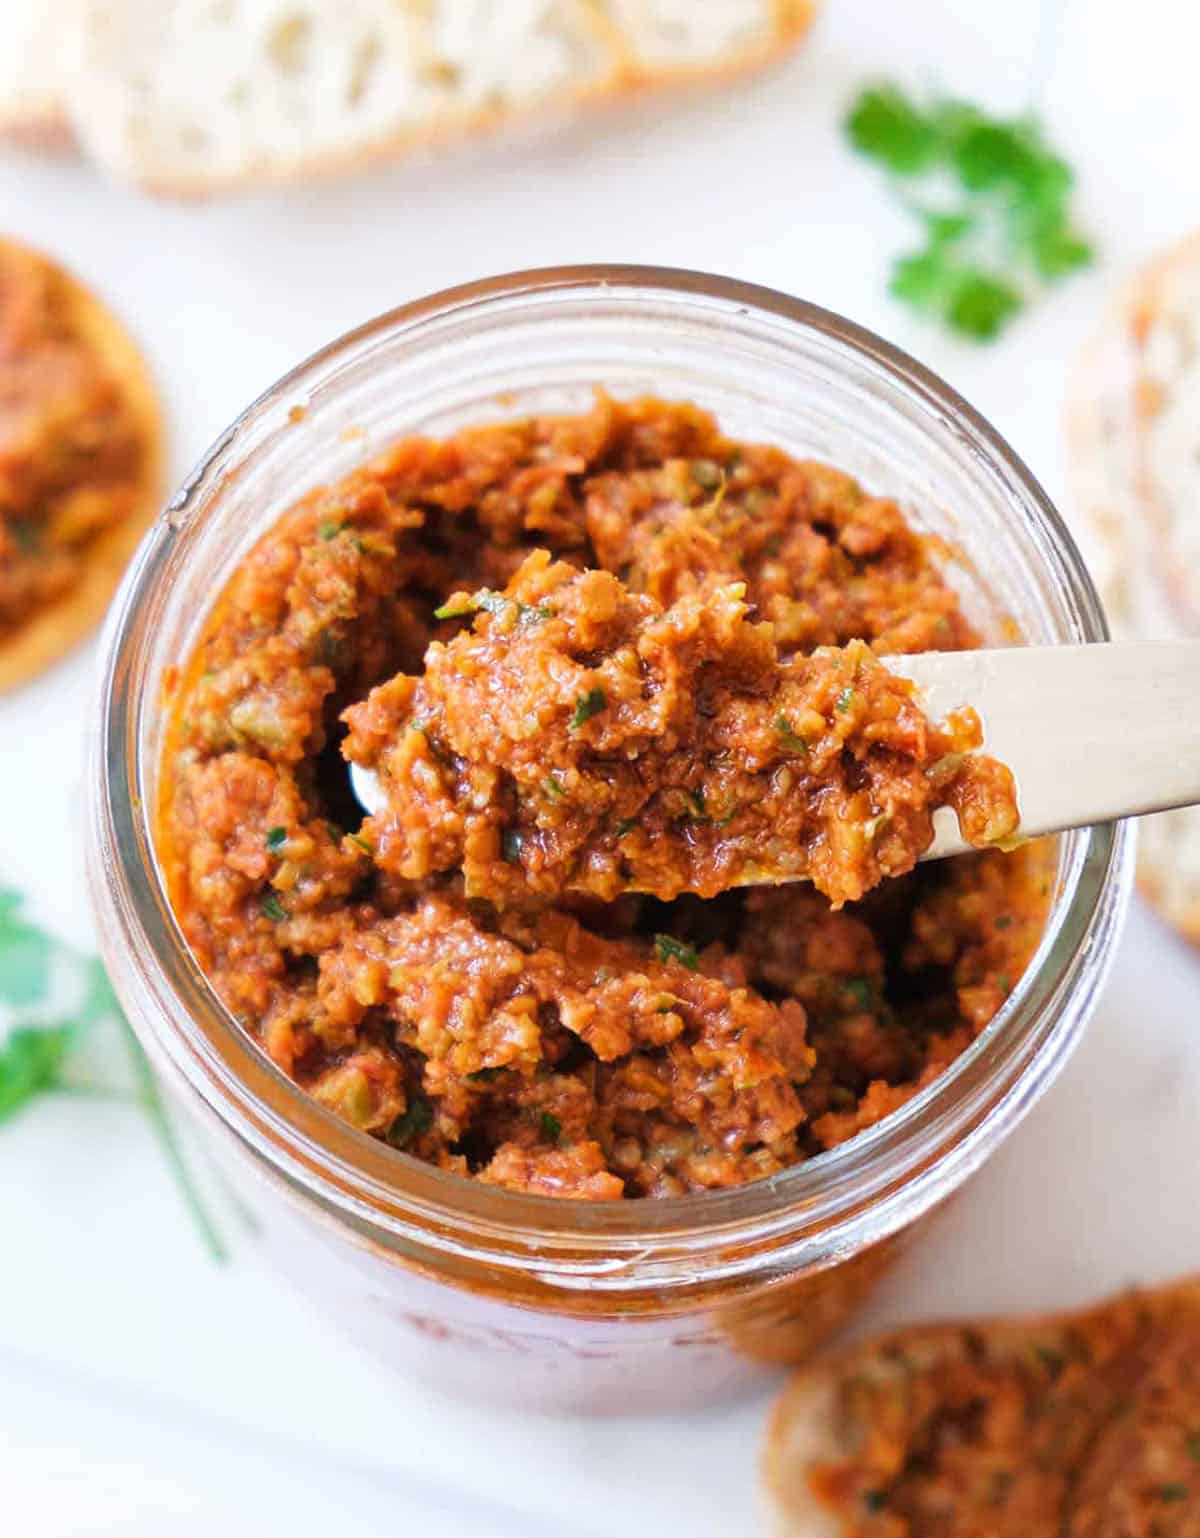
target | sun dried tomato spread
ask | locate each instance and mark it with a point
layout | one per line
(580, 737)
(1080, 1426)
(588, 653)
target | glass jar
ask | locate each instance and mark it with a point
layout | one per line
(614, 1305)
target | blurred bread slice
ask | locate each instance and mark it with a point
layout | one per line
(1133, 439)
(198, 96)
(821, 1417)
(32, 109)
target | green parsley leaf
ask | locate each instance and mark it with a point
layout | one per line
(26, 955)
(551, 1127)
(416, 1118)
(360, 843)
(668, 948)
(272, 908)
(276, 838)
(790, 738)
(451, 610)
(885, 125)
(30, 1061)
(587, 706)
(1003, 229)
(329, 530)
(552, 788)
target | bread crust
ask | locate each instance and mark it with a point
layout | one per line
(61, 625)
(1127, 542)
(625, 79)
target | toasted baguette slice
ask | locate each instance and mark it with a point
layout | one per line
(1164, 306)
(62, 624)
(1125, 1423)
(190, 97)
(1143, 567)
(32, 106)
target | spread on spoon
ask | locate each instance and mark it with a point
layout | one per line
(579, 737)
(484, 612)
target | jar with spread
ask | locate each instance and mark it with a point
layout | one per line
(548, 551)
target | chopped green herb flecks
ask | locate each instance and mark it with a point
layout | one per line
(625, 825)
(699, 812)
(533, 613)
(361, 843)
(416, 1118)
(553, 788)
(668, 948)
(485, 1075)
(276, 838)
(1004, 231)
(790, 738)
(452, 610)
(329, 530)
(551, 1127)
(1053, 1361)
(512, 841)
(844, 700)
(273, 909)
(587, 706)
(861, 991)
(707, 474)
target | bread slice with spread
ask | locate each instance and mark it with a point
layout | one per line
(1081, 1424)
(189, 98)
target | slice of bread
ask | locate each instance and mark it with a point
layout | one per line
(1133, 440)
(32, 107)
(1117, 1425)
(191, 97)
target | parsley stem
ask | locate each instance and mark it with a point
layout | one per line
(168, 1139)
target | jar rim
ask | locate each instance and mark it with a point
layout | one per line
(878, 1180)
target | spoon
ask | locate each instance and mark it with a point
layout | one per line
(1091, 733)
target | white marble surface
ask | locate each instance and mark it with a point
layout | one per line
(142, 1389)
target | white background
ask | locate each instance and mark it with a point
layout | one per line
(144, 1391)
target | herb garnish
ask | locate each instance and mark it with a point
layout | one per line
(790, 738)
(699, 812)
(669, 948)
(512, 841)
(844, 700)
(329, 530)
(707, 474)
(552, 788)
(417, 1117)
(276, 838)
(587, 706)
(1007, 231)
(272, 908)
(625, 825)
(551, 1127)
(360, 843)
(38, 1052)
(860, 990)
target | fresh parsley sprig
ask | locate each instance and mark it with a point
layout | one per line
(992, 197)
(51, 1001)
